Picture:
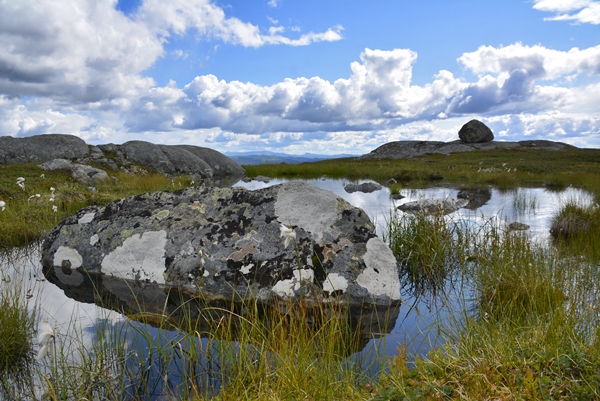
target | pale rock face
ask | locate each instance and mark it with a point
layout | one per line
(314, 210)
(88, 217)
(335, 282)
(287, 288)
(141, 257)
(380, 277)
(64, 253)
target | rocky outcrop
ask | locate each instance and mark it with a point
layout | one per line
(475, 132)
(79, 172)
(197, 161)
(366, 187)
(434, 206)
(408, 149)
(288, 241)
(176, 159)
(41, 148)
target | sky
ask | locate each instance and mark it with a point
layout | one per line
(300, 76)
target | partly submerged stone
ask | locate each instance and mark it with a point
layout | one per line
(366, 187)
(434, 206)
(290, 241)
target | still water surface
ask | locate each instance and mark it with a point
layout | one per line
(419, 318)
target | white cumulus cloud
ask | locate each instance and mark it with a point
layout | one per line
(582, 11)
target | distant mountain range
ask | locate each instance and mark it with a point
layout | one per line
(266, 157)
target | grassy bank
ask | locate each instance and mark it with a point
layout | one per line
(498, 167)
(34, 200)
(523, 324)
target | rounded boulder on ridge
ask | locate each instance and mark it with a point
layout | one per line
(475, 132)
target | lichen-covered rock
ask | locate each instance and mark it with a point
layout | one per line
(289, 241)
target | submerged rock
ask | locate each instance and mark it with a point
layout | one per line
(290, 241)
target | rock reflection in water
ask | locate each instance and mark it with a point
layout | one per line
(159, 305)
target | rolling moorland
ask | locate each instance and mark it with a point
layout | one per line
(535, 333)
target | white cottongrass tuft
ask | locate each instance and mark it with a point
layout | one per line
(46, 337)
(288, 233)
(2, 205)
(21, 182)
(54, 208)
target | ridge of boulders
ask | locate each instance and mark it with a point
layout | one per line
(474, 135)
(71, 153)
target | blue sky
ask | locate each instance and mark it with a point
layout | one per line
(300, 76)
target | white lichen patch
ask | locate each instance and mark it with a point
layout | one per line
(312, 209)
(87, 218)
(141, 257)
(380, 277)
(284, 288)
(64, 253)
(94, 239)
(304, 275)
(287, 288)
(335, 282)
(246, 268)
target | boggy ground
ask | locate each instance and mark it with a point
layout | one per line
(530, 330)
(497, 167)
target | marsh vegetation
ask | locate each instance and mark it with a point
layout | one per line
(521, 318)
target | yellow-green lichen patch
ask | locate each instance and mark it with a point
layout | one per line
(126, 233)
(161, 215)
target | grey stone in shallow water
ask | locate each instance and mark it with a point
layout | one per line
(366, 187)
(434, 206)
(289, 241)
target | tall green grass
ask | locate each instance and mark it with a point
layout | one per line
(499, 167)
(27, 217)
(525, 324)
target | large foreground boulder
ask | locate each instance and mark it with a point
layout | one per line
(290, 241)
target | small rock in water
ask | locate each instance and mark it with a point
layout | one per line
(366, 187)
(516, 226)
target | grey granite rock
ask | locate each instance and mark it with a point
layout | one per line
(475, 132)
(80, 172)
(203, 163)
(408, 149)
(366, 187)
(434, 206)
(288, 241)
(41, 148)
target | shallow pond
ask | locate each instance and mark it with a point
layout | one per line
(419, 318)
